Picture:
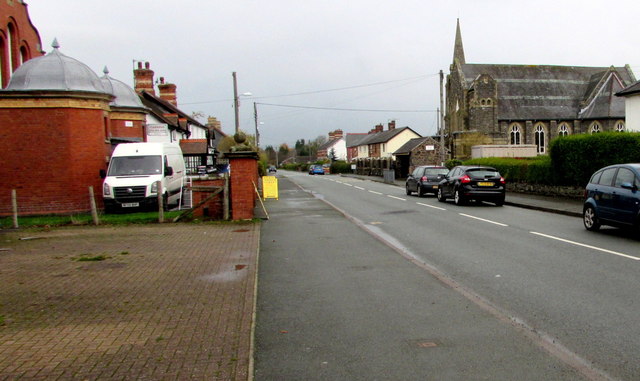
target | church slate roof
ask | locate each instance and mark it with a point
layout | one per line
(538, 92)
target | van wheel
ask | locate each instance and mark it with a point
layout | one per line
(165, 202)
(590, 219)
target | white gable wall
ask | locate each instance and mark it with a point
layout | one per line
(632, 111)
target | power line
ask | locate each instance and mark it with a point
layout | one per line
(342, 109)
(321, 91)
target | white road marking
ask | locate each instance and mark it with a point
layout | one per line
(374, 192)
(482, 219)
(397, 198)
(430, 206)
(357, 187)
(588, 246)
(349, 185)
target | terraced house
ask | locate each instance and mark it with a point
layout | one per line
(502, 104)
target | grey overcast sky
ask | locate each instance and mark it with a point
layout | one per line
(282, 47)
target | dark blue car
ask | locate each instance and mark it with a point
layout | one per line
(612, 197)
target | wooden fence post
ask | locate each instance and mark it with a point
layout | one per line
(94, 210)
(14, 205)
(160, 203)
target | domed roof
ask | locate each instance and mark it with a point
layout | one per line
(55, 71)
(125, 96)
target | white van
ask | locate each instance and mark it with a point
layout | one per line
(135, 169)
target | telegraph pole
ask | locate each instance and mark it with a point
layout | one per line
(255, 117)
(441, 119)
(236, 101)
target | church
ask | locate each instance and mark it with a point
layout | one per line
(502, 104)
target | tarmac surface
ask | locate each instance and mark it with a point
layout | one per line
(158, 302)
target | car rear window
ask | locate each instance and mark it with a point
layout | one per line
(436, 171)
(607, 176)
(483, 172)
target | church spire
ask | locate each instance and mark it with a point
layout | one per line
(458, 50)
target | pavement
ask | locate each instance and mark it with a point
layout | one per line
(158, 302)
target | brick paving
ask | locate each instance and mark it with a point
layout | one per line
(169, 302)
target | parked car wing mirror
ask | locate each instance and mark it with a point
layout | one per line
(629, 186)
(168, 171)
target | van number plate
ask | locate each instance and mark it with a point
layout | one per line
(130, 204)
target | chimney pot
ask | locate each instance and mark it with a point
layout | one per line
(146, 65)
(139, 65)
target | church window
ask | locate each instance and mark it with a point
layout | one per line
(539, 136)
(489, 102)
(596, 128)
(620, 126)
(515, 134)
(563, 129)
(483, 102)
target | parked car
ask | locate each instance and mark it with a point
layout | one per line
(425, 179)
(316, 169)
(272, 169)
(479, 183)
(612, 197)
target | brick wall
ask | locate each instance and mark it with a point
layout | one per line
(214, 208)
(51, 157)
(26, 40)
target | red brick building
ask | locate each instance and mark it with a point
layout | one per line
(19, 39)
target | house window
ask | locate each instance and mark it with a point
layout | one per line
(596, 128)
(620, 126)
(563, 129)
(515, 134)
(539, 135)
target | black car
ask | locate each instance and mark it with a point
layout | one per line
(479, 183)
(612, 197)
(425, 179)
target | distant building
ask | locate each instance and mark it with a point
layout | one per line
(336, 145)
(382, 144)
(417, 152)
(19, 39)
(352, 141)
(632, 106)
(529, 104)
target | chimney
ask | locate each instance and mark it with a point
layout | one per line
(392, 125)
(143, 79)
(379, 128)
(168, 92)
(331, 136)
(338, 134)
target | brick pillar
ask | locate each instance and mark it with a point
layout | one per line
(244, 174)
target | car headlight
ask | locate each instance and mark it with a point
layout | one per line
(106, 189)
(154, 187)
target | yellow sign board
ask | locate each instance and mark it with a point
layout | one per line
(269, 187)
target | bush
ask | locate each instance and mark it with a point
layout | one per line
(452, 163)
(341, 167)
(575, 158)
(529, 170)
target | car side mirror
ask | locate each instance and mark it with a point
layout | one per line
(629, 186)
(168, 171)
(103, 174)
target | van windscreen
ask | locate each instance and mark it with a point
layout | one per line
(135, 165)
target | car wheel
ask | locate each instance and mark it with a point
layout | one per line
(408, 190)
(589, 219)
(420, 191)
(500, 201)
(440, 195)
(458, 198)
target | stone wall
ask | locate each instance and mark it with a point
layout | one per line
(547, 190)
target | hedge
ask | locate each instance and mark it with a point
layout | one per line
(535, 170)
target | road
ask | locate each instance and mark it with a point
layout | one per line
(575, 292)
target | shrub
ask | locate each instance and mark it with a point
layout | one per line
(575, 158)
(452, 163)
(530, 170)
(341, 167)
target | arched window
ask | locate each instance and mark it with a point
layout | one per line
(11, 46)
(596, 128)
(563, 129)
(539, 136)
(3, 57)
(620, 127)
(514, 134)
(489, 102)
(483, 102)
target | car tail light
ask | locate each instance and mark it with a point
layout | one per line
(502, 180)
(465, 179)
(424, 178)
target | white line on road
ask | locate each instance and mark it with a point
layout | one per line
(397, 198)
(374, 192)
(587, 246)
(482, 219)
(357, 187)
(430, 206)
(349, 185)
